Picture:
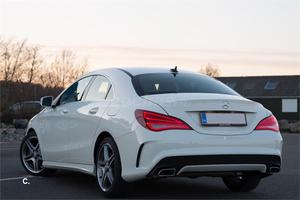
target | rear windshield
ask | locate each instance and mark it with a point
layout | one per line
(162, 83)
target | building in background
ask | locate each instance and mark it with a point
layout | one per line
(280, 94)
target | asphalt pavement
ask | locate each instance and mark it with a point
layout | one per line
(73, 185)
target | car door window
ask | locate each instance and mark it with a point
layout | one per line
(98, 90)
(14, 109)
(75, 91)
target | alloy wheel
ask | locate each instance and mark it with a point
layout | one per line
(105, 167)
(31, 155)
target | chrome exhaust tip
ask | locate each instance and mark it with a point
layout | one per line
(167, 172)
(274, 169)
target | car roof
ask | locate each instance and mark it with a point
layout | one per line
(132, 71)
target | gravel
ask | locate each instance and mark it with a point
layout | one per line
(290, 127)
(10, 134)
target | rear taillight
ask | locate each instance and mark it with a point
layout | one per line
(269, 123)
(159, 122)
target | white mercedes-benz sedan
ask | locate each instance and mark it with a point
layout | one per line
(128, 124)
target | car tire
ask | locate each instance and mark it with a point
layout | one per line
(31, 157)
(244, 183)
(108, 169)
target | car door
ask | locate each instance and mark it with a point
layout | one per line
(27, 110)
(89, 115)
(60, 119)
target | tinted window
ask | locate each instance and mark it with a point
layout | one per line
(75, 91)
(14, 108)
(161, 83)
(98, 89)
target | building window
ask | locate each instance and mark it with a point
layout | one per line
(271, 85)
(290, 105)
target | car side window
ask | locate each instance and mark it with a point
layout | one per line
(75, 91)
(99, 89)
(30, 107)
(15, 108)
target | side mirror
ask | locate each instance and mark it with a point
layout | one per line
(46, 101)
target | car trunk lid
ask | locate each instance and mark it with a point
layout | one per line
(225, 112)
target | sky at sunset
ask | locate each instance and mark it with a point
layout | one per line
(241, 37)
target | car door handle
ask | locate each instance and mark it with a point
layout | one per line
(94, 110)
(65, 111)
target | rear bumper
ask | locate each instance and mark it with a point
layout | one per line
(177, 148)
(216, 164)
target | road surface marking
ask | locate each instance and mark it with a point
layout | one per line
(15, 178)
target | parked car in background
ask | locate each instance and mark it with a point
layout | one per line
(19, 113)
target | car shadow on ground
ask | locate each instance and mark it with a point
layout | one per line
(174, 188)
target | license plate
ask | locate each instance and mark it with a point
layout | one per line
(223, 119)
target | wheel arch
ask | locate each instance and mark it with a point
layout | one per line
(30, 129)
(99, 139)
